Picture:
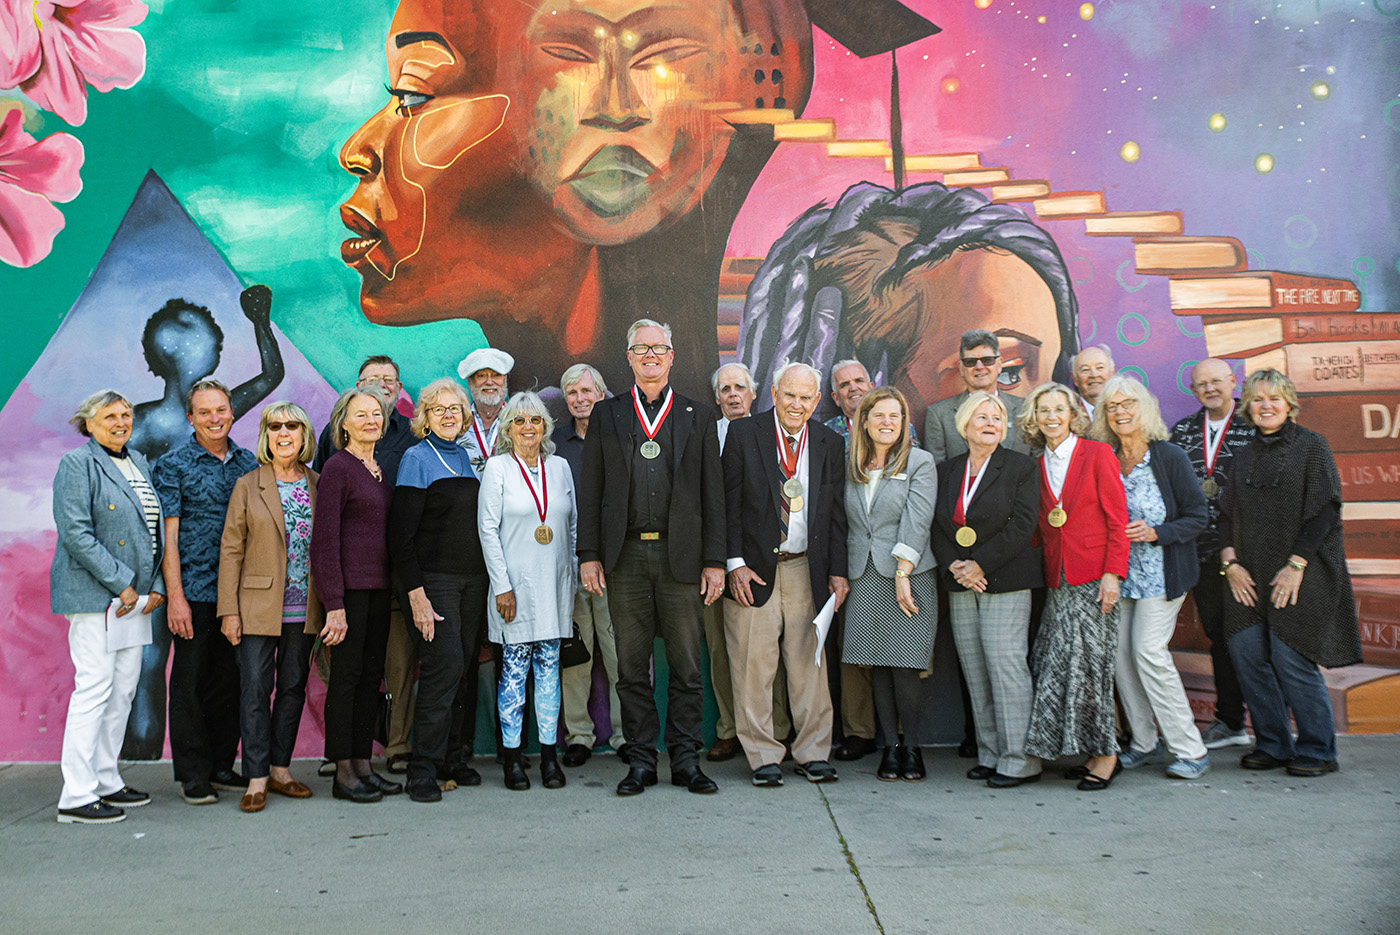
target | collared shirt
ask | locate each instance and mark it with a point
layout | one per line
(194, 486)
(473, 439)
(722, 427)
(1057, 463)
(1088, 406)
(568, 444)
(649, 506)
(796, 540)
(1187, 436)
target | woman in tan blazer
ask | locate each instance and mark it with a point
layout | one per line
(269, 609)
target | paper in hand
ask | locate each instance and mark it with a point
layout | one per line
(823, 624)
(130, 629)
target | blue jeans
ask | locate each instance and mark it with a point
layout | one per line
(1276, 678)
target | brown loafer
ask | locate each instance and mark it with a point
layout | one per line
(292, 790)
(252, 801)
(724, 749)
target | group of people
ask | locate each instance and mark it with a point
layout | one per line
(1059, 532)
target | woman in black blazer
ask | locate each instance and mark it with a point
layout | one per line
(988, 502)
(1166, 512)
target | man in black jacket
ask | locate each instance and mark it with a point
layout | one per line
(784, 472)
(651, 534)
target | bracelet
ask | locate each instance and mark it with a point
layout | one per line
(899, 573)
(1225, 566)
(1297, 565)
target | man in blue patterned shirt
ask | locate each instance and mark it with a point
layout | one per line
(194, 482)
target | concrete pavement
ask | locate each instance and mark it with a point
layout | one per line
(1237, 852)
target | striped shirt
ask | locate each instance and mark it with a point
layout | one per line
(150, 503)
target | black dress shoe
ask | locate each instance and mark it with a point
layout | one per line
(1003, 781)
(386, 786)
(1258, 759)
(1077, 772)
(459, 773)
(227, 779)
(854, 748)
(980, 773)
(911, 764)
(516, 779)
(1092, 783)
(1298, 766)
(576, 755)
(968, 749)
(888, 770)
(423, 789)
(360, 792)
(637, 780)
(693, 779)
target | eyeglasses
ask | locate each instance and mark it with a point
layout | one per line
(642, 350)
(1056, 411)
(970, 362)
(522, 420)
(440, 411)
(381, 381)
(279, 426)
(1127, 405)
(1205, 384)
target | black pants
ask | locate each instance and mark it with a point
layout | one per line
(203, 699)
(444, 714)
(646, 602)
(270, 724)
(1209, 595)
(902, 705)
(357, 671)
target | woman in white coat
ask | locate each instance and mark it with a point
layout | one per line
(527, 515)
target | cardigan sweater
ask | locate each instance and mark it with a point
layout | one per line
(1186, 516)
(349, 550)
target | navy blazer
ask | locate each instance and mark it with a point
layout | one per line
(753, 484)
(695, 527)
(103, 546)
(1003, 513)
(1186, 516)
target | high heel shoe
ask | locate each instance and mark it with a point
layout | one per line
(888, 771)
(1092, 783)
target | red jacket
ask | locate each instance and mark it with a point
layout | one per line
(1093, 541)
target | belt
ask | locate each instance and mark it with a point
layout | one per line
(789, 556)
(647, 536)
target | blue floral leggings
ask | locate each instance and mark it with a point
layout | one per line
(516, 659)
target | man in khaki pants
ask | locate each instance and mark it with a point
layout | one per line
(785, 473)
(734, 394)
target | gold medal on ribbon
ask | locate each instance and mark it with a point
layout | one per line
(966, 536)
(1057, 517)
(1210, 487)
(543, 534)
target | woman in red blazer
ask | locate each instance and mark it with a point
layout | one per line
(1082, 534)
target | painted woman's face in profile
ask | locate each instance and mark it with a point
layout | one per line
(428, 163)
(624, 134)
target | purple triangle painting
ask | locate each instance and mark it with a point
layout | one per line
(161, 310)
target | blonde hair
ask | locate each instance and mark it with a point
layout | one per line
(1275, 382)
(339, 437)
(429, 396)
(860, 447)
(1149, 412)
(1030, 429)
(286, 412)
(963, 416)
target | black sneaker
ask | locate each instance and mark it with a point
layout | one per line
(127, 797)
(198, 793)
(93, 813)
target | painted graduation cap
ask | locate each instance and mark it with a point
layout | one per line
(872, 27)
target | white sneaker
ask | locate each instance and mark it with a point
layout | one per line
(1219, 734)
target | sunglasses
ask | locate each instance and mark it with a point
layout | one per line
(970, 362)
(279, 426)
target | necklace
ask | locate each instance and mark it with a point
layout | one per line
(372, 467)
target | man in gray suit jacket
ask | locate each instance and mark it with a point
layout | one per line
(979, 364)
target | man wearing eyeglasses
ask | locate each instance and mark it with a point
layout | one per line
(1209, 437)
(651, 536)
(485, 370)
(979, 365)
(379, 370)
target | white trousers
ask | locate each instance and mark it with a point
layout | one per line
(1148, 684)
(103, 685)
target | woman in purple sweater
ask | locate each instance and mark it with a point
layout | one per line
(350, 568)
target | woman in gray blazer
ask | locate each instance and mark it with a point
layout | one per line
(987, 510)
(109, 522)
(892, 612)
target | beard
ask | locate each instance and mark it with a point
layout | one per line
(490, 397)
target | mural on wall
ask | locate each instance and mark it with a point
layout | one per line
(424, 177)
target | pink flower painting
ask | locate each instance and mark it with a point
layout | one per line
(33, 175)
(55, 51)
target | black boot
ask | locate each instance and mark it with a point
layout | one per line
(888, 770)
(516, 778)
(551, 774)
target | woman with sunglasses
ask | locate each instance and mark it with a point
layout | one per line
(528, 519)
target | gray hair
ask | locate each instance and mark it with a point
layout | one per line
(92, 405)
(576, 371)
(430, 394)
(339, 437)
(748, 376)
(978, 337)
(842, 365)
(641, 323)
(787, 365)
(1149, 412)
(1074, 361)
(524, 404)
